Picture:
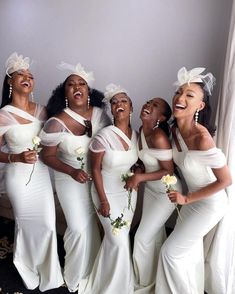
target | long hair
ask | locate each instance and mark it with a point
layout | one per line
(5, 93)
(164, 124)
(56, 102)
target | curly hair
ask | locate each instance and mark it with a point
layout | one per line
(56, 102)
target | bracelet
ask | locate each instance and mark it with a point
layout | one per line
(9, 158)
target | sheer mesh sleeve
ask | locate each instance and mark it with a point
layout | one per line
(53, 132)
(6, 121)
(41, 113)
(213, 158)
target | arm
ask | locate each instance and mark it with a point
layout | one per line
(96, 166)
(49, 157)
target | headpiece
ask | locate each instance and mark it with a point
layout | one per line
(16, 62)
(111, 90)
(195, 76)
(77, 70)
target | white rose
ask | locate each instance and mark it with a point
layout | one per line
(130, 175)
(116, 231)
(169, 180)
(128, 223)
(36, 140)
(80, 151)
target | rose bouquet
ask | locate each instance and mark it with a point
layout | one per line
(118, 223)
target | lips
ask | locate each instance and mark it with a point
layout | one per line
(77, 94)
(25, 84)
(179, 106)
(120, 109)
(145, 110)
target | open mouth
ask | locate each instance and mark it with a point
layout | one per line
(25, 84)
(120, 109)
(146, 111)
(77, 94)
(179, 106)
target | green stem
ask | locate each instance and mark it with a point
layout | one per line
(30, 175)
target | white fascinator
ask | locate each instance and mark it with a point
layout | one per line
(16, 62)
(112, 90)
(195, 76)
(78, 70)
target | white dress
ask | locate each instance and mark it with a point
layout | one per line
(156, 210)
(113, 271)
(181, 261)
(35, 247)
(82, 238)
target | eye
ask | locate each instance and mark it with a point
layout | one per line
(82, 83)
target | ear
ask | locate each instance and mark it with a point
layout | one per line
(9, 81)
(202, 105)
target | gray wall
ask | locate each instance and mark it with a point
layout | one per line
(139, 44)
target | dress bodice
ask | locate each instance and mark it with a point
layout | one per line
(196, 165)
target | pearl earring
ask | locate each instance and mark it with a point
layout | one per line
(10, 91)
(130, 116)
(88, 102)
(157, 124)
(112, 119)
(196, 116)
(66, 102)
(32, 98)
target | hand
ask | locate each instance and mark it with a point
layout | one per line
(104, 209)
(132, 183)
(29, 156)
(80, 176)
(176, 197)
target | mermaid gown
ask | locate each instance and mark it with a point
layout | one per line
(35, 246)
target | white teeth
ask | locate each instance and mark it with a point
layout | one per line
(77, 93)
(146, 111)
(120, 109)
(25, 84)
(180, 106)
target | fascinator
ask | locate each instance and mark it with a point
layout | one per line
(16, 62)
(195, 76)
(77, 70)
(112, 90)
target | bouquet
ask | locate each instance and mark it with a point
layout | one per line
(124, 178)
(169, 182)
(36, 143)
(80, 152)
(118, 223)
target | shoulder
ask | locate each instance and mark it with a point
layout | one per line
(203, 139)
(159, 139)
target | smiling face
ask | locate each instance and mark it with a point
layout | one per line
(153, 110)
(121, 105)
(76, 91)
(22, 82)
(187, 100)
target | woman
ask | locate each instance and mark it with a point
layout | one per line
(65, 137)
(155, 152)
(181, 262)
(113, 152)
(27, 180)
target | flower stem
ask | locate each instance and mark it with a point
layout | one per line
(178, 211)
(30, 175)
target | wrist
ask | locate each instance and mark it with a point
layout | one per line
(188, 198)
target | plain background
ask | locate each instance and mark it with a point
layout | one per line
(139, 44)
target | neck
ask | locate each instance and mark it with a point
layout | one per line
(148, 127)
(186, 126)
(21, 101)
(82, 110)
(123, 126)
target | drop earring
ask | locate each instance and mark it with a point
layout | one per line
(112, 119)
(157, 124)
(130, 116)
(10, 91)
(88, 102)
(66, 102)
(196, 116)
(32, 98)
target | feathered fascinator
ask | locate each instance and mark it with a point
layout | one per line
(195, 76)
(111, 90)
(16, 62)
(77, 70)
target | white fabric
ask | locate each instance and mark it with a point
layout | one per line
(156, 210)
(181, 262)
(35, 250)
(113, 272)
(220, 261)
(81, 239)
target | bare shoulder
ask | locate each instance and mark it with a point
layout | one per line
(203, 139)
(159, 139)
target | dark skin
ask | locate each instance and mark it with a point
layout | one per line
(121, 108)
(151, 112)
(76, 91)
(22, 82)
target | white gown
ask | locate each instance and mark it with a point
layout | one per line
(82, 238)
(35, 247)
(113, 271)
(156, 210)
(181, 261)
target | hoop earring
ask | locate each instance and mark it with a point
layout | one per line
(88, 102)
(10, 91)
(32, 98)
(157, 124)
(66, 102)
(196, 116)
